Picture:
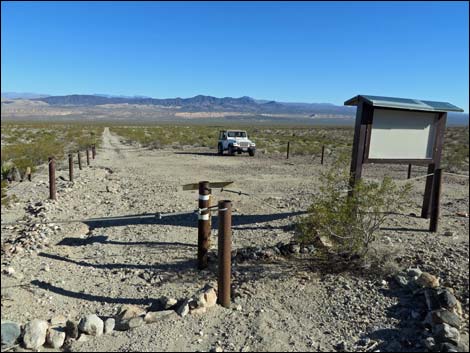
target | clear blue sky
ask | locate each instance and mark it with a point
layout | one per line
(308, 52)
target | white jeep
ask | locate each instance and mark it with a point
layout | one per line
(235, 141)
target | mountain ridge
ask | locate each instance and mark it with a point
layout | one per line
(202, 102)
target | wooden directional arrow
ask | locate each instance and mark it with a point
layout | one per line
(216, 185)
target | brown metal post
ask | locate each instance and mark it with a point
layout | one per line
(409, 171)
(288, 148)
(28, 173)
(203, 225)
(364, 114)
(436, 198)
(322, 153)
(437, 154)
(225, 253)
(79, 156)
(70, 167)
(428, 192)
(88, 156)
(93, 151)
(52, 187)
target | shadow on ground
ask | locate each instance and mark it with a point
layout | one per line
(90, 297)
(103, 239)
(212, 154)
(189, 220)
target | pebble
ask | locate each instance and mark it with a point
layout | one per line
(109, 325)
(135, 322)
(35, 334)
(91, 325)
(445, 332)
(71, 329)
(447, 299)
(426, 280)
(429, 343)
(10, 332)
(210, 297)
(443, 316)
(127, 312)
(449, 234)
(183, 309)
(154, 316)
(55, 337)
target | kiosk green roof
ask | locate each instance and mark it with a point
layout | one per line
(404, 103)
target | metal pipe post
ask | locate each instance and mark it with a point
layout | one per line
(79, 156)
(225, 253)
(52, 186)
(288, 148)
(93, 151)
(409, 171)
(322, 154)
(70, 167)
(88, 156)
(203, 225)
(436, 199)
(28, 173)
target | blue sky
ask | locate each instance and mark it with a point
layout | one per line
(299, 52)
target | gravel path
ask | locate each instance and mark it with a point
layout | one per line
(281, 304)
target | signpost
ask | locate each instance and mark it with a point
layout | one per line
(402, 131)
(213, 184)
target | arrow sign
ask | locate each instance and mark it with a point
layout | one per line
(216, 185)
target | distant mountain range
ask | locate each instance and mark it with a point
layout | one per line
(202, 103)
(23, 95)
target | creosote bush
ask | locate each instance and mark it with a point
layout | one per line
(350, 223)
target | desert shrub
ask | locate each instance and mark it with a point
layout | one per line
(350, 223)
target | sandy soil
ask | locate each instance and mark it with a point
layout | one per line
(281, 304)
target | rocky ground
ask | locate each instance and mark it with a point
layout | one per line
(283, 300)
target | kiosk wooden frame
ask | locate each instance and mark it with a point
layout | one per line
(367, 106)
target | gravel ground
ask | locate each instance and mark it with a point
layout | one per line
(292, 303)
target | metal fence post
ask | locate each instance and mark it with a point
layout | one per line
(409, 171)
(225, 253)
(52, 187)
(322, 154)
(88, 156)
(204, 230)
(436, 199)
(28, 173)
(79, 156)
(70, 167)
(93, 151)
(288, 148)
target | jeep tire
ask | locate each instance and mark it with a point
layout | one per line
(220, 149)
(251, 152)
(231, 150)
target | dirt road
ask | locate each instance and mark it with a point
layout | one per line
(281, 304)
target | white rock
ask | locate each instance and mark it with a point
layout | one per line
(154, 316)
(35, 334)
(109, 325)
(91, 325)
(211, 297)
(55, 337)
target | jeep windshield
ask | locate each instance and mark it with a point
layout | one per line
(236, 134)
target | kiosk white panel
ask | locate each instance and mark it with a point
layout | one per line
(399, 134)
